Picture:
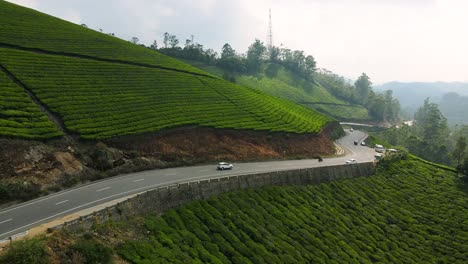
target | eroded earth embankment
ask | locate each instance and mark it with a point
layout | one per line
(31, 168)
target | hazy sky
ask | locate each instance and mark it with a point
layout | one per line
(404, 40)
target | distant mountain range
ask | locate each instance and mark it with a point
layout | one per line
(452, 97)
(414, 93)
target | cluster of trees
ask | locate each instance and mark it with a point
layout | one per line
(230, 62)
(234, 63)
(337, 85)
(430, 137)
(381, 106)
(296, 61)
(191, 50)
(258, 54)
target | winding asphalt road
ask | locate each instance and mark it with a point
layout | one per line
(20, 218)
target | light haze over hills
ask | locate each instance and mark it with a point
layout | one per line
(418, 40)
(452, 97)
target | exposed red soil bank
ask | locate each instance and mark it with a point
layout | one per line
(32, 168)
(206, 144)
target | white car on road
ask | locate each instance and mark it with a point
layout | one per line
(351, 161)
(379, 148)
(224, 166)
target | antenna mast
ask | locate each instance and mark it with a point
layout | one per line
(270, 33)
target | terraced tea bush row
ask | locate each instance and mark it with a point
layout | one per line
(28, 28)
(287, 86)
(409, 213)
(100, 99)
(20, 116)
(347, 112)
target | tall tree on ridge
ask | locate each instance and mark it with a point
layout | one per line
(227, 51)
(173, 41)
(430, 123)
(255, 56)
(135, 40)
(459, 151)
(166, 39)
(363, 86)
(154, 46)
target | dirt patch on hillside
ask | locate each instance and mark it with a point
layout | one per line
(195, 145)
(31, 168)
(69, 163)
(26, 159)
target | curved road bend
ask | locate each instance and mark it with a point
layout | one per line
(355, 124)
(22, 217)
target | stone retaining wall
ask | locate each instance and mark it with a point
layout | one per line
(158, 201)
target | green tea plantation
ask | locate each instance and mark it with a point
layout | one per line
(97, 86)
(412, 212)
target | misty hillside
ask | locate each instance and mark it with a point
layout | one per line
(455, 108)
(413, 94)
(451, 97)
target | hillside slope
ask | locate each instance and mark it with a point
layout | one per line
(409, 212)
(98, 86)
(77, 105)
(19, 116)
(22, 27)
(285, 84)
